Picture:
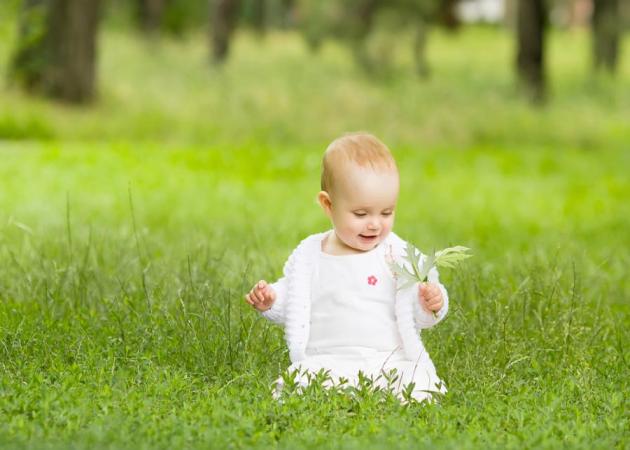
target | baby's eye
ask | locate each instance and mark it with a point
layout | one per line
(360, 214)
(387, 213)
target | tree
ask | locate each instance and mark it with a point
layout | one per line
(606, 23)
(530, 59)
(150, 14)
(225, 15)
(56, 50)
(363, 14)
(286, 13)
(259, 15)
(419, 49)
(447, 14)
(362, 25)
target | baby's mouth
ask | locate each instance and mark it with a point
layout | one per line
(369, 237)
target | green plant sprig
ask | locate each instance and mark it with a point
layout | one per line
(420, 267)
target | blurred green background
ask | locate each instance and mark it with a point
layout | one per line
(148, 179)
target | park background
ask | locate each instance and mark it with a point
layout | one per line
(159, 157)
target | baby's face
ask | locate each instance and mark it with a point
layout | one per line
(363, 203)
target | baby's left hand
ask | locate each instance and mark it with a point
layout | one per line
(430, 297)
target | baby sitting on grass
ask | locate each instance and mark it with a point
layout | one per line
(338, 299)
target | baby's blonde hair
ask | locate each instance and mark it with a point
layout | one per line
(363, 149)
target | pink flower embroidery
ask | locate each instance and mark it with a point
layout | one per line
(372, 280)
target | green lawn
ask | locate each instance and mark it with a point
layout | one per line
(129, 232)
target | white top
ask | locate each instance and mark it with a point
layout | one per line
(292, 308)
(353, 305)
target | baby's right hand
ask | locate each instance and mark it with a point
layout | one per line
(261, 296)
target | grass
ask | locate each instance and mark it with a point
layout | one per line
(129, 232)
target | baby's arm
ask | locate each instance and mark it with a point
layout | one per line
(274, 294)
(424, 318)
(277, 311)
(269, 299)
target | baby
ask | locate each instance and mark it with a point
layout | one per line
(338, 300)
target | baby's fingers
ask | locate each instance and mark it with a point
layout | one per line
(433, 294)
(424, 291)
(428, 290)
(259, 296)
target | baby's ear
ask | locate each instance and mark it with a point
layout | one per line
(323, 198)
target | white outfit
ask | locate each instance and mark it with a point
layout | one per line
(354, 320)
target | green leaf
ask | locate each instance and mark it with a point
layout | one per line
(450, 257)
(421, 264)
(412, 258)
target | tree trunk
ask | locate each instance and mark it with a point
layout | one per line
(150, 14)
(420, 49)
(530, 60)
(56, 53)
(606, 30)
(287, 13)
(259, 16)
(363, 22)
(447, 14)
(223, 25)
(30, 55)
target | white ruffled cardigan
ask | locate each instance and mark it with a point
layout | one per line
(292, 307)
